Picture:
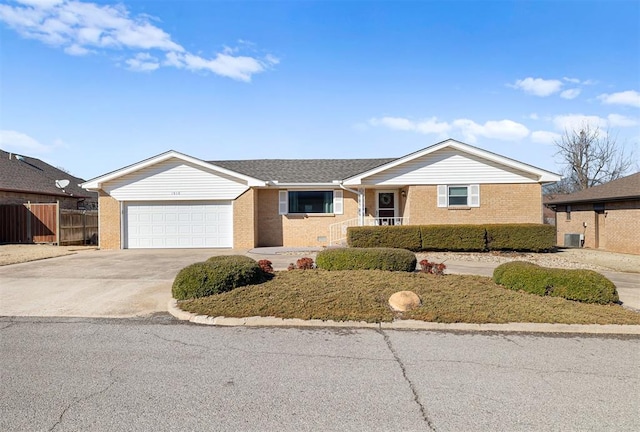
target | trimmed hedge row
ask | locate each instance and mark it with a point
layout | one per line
(519, 237)
(366, 259)
(388, 236)
(585, 286)
(453, 237)
(217, 275)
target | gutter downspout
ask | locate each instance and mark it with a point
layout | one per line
(360, 202)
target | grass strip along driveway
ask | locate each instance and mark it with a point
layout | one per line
(362, 296)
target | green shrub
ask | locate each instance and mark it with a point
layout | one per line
(453, 237)
(217, 275)
(397, 236)
(521, 237)
(586, 286)
(366, 259)
(231, 259)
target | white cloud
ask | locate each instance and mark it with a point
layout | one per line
(534, 116)
(427, 126)
(578, 81)
(22, 143)
(502, 129)
(629, 97)
(576, 121)
(395, 123)
(538, 86)
(41, 3)
(237, 67)
(617, 120)
(81, 28)
(544, 137)
(77, 50)
(506, 130)
(571, 122)
(143, 62)
(570, 93)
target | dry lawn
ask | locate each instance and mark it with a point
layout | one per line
(19, 253)
(363, 295)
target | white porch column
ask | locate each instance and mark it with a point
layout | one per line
(361, 206)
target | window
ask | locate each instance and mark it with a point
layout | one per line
(318, 202)
(568, 212)
(459, 195)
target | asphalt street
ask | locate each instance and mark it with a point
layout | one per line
(156, 373)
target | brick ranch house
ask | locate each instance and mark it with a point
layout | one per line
(605, 216)
(176, 201)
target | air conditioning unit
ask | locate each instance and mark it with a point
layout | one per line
(573, 240)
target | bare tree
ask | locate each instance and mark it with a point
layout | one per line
(591, 157)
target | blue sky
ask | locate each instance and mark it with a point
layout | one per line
(94, 86)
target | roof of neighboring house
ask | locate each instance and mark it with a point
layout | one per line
(301, 170)
(19, 173)
(615, 190)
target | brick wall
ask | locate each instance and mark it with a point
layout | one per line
(499, 203)
(245, 221)
(297, 230)
(7, 197)
(618, 226)
(108, 222)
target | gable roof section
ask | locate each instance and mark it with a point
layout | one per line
(307, 171)
(615, 190)
(31, 175)
(97, 182)
(542, 176)
(303, 172)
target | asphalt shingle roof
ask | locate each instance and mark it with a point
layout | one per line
(622, 188)
(33, 175)
(301, 170)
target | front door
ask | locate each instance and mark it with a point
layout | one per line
(386, 207)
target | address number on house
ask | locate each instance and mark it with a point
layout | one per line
(175, 193)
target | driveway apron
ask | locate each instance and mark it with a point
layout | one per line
(110, 284)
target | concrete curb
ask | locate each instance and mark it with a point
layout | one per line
(257, 321)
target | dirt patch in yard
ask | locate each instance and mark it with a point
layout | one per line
(14, 254)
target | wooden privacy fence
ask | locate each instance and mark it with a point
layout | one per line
(47, 223)
(78, 227)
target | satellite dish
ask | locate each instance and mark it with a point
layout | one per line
(61, 184)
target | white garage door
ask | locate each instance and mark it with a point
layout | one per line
(192, 224)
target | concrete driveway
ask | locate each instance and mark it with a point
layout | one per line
(122, 283)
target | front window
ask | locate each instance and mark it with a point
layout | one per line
(458, 195)
(310, 201)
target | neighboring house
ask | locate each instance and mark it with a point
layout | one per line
(176, 201)
(25, 179)
(603, 217)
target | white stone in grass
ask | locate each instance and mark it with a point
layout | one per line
(404, 300)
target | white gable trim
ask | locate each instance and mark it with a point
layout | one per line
(95, 184)
(542, 175)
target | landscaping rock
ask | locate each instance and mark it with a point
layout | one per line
(404, 301)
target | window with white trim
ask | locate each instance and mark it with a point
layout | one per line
(310, 201)
(459, 195)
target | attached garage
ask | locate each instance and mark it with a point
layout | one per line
(182, 224)
(175, 201)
